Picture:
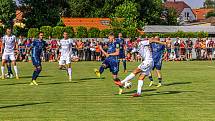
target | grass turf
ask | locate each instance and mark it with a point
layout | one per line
(187, 95)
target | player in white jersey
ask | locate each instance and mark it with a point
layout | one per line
(144, 68)
(66, 53)
(9, 44)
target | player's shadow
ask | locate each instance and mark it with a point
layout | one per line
(13, 84)
(177, 83)
(21, 105)
(39, 76)
(91, 78)
(134, 91)
(55, 83)
(168, 93)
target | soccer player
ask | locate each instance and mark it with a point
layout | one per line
(144, 68)
(122, 48)
(9, 44)
(157, 55)
(111, 60)
(38, 46)
(66, 53)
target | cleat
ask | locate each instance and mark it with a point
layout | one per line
(120, 90)
(125, 71)
(31, 84)
(17, 77)
(136, 95)
(2, 77)
(159, 85)
(34, 82)
(11, 76)
(151, 83)
(97, 73)
(118, 83)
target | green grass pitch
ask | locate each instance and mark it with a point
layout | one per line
(188, 94)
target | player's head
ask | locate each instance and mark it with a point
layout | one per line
(111, 37)
(65, 35)
(41, 34)
(8, 31)
(120, 35)
(157, 38)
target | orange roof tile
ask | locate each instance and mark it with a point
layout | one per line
(100, 23)
(201, 13)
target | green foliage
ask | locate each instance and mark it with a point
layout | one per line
(7, 12)
(1, 31)
(209, 4)
(81, 32)
(132, 33)
(210, 14)
(60, 23)
(19, 31)
(104, 33)
(70, 31)
(33, 32)
(93, 32)
(57, 32)
(47, 31)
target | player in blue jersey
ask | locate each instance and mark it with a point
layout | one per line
(157, 55)
(38, 47)
(121, 56)
(111, 60)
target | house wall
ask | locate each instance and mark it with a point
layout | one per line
(191, 15)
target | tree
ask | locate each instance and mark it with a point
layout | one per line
(7, 12)
(93, 32)
(209, 4)
(47, 30)
(81, 32)
(57, 32)
(70, 31)
(43, 12)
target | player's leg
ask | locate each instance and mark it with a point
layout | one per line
(12, 58)
(35, 74)
(159, 77)
(124, 65)
(140, 85)
(104, 66)
(4, 61)
(9, 69)
(69, 68)
(151, 79)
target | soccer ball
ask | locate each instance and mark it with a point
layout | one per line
(128, 85)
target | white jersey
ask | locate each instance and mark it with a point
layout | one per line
(66, 47)
(9, 43)
(144, 50)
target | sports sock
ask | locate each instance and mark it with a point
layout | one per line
(36, 74)
(124, 64)
(101, 69)
(150, 78)
(160, 80)
(139, 87)
(9, 70)
(129, 77)
(2, 70)
(16, 70)
(69, 70)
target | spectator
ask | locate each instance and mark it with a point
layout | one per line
(189, 48)
(197, 47)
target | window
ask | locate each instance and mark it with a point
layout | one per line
(105, 22)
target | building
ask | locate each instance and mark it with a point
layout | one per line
(201, 13)
(100, 23)
(184, 11)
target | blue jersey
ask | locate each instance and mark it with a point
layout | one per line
(157, 51)
(112, 49)
(121, 43)
(37, 47)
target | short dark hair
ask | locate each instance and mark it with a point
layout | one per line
(40, 33)
(111, 34)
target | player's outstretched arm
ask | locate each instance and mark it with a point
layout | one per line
(103, 51)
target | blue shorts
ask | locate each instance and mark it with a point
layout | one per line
(36, 61)
(112, 64)
(157, 64)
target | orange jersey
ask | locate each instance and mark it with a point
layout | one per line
(97, 48)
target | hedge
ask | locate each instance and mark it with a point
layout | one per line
(33, 32)
(57, 32)
(1, 31)
(47, 31)
(93, 32)
(104, 33)
(81, 32)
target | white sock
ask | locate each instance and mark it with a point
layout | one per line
(139, 87)
(16, 70)
(2, 70)
(129, 77)
(70, 72)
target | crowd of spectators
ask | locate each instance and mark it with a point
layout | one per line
(88, 49)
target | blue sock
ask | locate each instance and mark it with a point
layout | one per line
(9, 70)
(150, 78)
(101, 69)
(160, 80)
(36, 74)
(124, 64)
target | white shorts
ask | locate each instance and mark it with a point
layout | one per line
(146, 67)
(64, 60)
(7, 56)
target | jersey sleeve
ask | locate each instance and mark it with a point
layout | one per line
(145, 42)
